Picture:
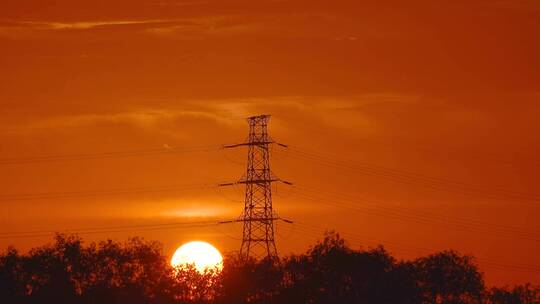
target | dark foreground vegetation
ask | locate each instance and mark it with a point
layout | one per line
(329, 272)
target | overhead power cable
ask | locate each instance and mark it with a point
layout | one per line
(377, 208)
(102, 192)
(395, 144)
(316, 231)
(412, 178)
(109, 229)
(105, 155)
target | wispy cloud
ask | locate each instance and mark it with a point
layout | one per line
(167, 117)
(276, 24)
(187, 28)
(37, 29)
(81, 25)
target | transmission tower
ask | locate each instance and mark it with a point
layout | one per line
(258, 239)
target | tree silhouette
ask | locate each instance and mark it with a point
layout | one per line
(12, 287)
(331, 272)
(136, 271)
(522, 294)
(449, 278)
(249, 281)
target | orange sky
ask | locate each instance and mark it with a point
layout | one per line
(444, 94)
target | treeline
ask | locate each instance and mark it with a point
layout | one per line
(329, 272)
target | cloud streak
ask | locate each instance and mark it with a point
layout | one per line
(81, 25)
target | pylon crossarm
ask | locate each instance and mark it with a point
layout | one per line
(228, 222)
(254, 220)
(258, 181)
(251, 143)
(255, 181)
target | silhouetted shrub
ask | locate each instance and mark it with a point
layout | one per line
(448, 277)
(522, 294)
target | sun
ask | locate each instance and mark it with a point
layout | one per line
(199, 254)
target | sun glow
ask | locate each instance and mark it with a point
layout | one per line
(199, 254)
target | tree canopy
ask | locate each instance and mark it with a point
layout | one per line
(136, 271)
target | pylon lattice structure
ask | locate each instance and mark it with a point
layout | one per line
(258, 240)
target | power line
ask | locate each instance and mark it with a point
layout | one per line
(417, 251)
(99, 193)
(314, 230)
(387, 172)
(400, 176)
(105, 155)
(407, 177)
(109, 229)
(338, 200)
(421, 212)
(431, 150)
(379, 209)
(334, 199)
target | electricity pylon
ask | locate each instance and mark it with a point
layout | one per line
(258, 239)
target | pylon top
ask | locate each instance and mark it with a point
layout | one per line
(259, 117)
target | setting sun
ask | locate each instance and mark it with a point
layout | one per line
(200, 254)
